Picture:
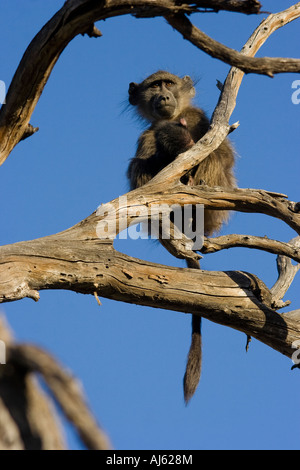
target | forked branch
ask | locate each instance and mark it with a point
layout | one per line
(220, 127)
(286, 273)
(248, 64)
(78, 17)
(78, 260)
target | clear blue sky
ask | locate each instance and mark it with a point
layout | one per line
(131, 359)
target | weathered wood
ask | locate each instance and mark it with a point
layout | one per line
(212, 245)
(27, 417)
(77, 260)
(78, 17)
(66, 390)
(242, 6)
(75, 17)
(248, 64)
(286, 273)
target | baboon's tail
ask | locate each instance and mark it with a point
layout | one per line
(193, 367)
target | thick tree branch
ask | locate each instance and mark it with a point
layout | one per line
(117, 215)
(76, 17)
(78, 260)
(27, 405)
(242, 200)
(235, 299)
(27, 416)
(65, 389)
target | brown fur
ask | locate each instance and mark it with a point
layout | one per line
(164, 100)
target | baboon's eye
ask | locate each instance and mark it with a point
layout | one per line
(169, 84)
(154, 85)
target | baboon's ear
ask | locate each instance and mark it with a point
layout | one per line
(188, 85)
(133, 93)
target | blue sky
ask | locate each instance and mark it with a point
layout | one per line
(131, 359)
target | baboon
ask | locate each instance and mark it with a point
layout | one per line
(164, 100)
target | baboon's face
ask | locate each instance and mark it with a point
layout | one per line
(161, 96)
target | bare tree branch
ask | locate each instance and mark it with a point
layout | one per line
(65, 389)
(220, 128)
(212, 245)
(27, 417)
(77, 17)
(240, 6)
(286, 273)
(264, 65)
(235, 299)
(293, 315)
(242, 200)
(78, 260)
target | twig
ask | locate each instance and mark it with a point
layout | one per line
(249, 339)
(97, 299)
(29, 131)
(92, 31)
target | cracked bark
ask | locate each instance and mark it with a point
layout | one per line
(78, 260)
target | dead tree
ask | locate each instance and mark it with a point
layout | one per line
(236, 299)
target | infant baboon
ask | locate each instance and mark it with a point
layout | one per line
(164, 100)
